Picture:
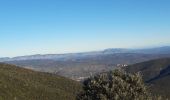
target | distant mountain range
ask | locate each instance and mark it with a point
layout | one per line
(156, 73)
(82, 65)
(156, 50)
(77, 56)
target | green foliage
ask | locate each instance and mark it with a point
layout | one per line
(23, 84)
(156, 74)
(115, 85)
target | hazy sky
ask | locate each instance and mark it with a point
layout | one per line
(61, 26)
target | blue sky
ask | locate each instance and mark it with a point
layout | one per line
(61, 26)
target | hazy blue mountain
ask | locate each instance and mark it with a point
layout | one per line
(59, 57)
(4, 59)
(156, 50)
(77, 56)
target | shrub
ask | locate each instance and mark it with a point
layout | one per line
(115, 85)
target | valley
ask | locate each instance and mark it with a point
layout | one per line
(47, 76)
(79, 66)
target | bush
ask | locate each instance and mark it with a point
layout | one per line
(115, 85)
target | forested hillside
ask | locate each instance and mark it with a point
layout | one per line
(23, 84)
(156, 74)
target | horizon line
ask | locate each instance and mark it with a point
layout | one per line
(77, 52)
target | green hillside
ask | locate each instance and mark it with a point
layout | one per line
(23, 84)
(156, 74)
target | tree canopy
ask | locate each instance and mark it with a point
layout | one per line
(115, 85)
